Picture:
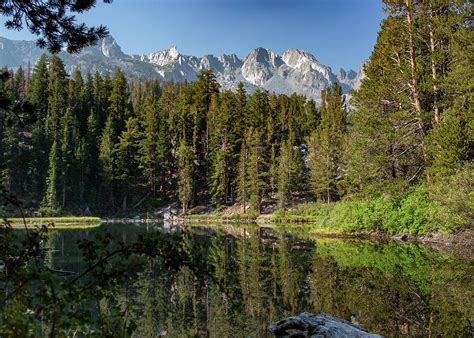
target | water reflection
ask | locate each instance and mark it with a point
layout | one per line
(262, 275)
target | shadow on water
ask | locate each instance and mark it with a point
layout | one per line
(261, 275)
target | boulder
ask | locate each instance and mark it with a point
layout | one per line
(317, 325)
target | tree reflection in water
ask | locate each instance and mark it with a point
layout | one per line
(261, 275)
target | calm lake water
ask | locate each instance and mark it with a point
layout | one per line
(389, 288)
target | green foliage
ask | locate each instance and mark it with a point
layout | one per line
(56, 220)
(455, 194)
(185, 175)
(51, 200)
(415, 213)
(290, 173)
(325, 146)
(54, 23)
(37, 300)
(123, 145)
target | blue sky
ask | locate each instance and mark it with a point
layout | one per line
(340, 33)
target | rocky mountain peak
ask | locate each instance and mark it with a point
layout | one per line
(164, 57)
(346, 74)
(295, 71)
(110, 48)
(264, 56)
(294, 57)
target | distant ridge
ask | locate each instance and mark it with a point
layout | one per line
(296, 71)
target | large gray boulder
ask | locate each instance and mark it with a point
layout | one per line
(317, 325)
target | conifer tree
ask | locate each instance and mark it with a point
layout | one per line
(51, 198)
(88, 157)
(185, 175)
(325, 146)
(151, 159)
(242, 178)
(219, 178)
(290, 173)
(256, 169)
(11, 167)
(82, 160)
(106, 161)
(205, 86)
(451, 141)
(384, 150)
(37, 96)
(76, 100)
(57, 100)
(273, 169)
(69, 141)
(119, 102)
(127, 157)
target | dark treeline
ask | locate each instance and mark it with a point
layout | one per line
(107, 143)
(103, 143)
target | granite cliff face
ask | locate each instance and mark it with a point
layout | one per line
(295, 71)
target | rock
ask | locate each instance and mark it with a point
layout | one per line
(317, 325)
(401, 237)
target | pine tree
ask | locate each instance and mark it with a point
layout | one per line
(82, 160)
(57, 89)
(88, 157)
(127, 156)
(14, 145)
(256, 169)
(242, 178)
(185, 175)
(449, 145)
(451, 141)
(51, 199)
(12, 156)
(106, 161)
(69, 142)
(205, 87)
(37, 96)
(325, 146)
(290, 173)
(258, 109)
(119, 102)
(273, 169)
(311, 120)
(76, 100)
(151, 160)
(385, 145)
(219, 178)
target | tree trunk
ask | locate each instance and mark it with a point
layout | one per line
(413, 85)
(411, 53)
(124, 203)
(434, 74)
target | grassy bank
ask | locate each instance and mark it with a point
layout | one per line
(413, 213)
(250, 217)
(416, 212)
(56, 220)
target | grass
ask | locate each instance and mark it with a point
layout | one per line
(232, 217)
(60, 226)
(413, 213)
(56, 220)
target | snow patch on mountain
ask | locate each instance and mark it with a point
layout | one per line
(296, 71)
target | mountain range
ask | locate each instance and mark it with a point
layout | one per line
(295, 71)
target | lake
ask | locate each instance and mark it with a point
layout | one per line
(262, 275)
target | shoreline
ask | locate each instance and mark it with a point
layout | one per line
(464, 237)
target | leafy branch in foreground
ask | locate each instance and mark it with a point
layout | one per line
(36, 298)
(51, 22)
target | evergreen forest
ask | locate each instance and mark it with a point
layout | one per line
(396, 151)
